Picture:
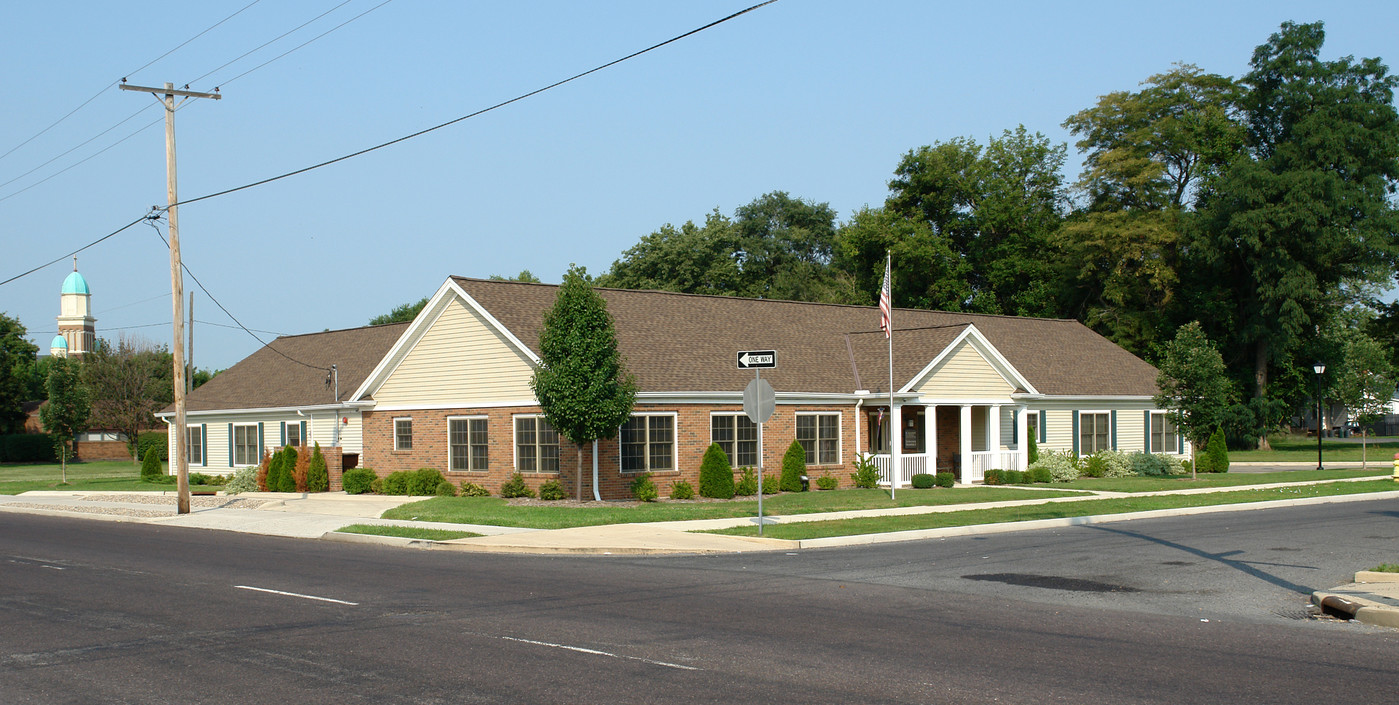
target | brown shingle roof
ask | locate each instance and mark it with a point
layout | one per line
(267, 379)
(685, 342)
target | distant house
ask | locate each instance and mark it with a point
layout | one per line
(450, 390)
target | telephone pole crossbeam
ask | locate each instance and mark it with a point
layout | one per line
(180, 452)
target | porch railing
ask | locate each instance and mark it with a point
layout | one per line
(974, 469)
(911, 464)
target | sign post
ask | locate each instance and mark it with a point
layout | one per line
(759, 401)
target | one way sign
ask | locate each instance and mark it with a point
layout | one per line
(755, 359)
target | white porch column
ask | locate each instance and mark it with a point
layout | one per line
(966, 444)
(993, 435)
(896, 444)
(1022, 438)
(931, 450)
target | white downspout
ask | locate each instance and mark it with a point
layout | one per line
(858, 422)
(597, 496)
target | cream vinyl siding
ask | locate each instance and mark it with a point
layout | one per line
(461, 359)
(965, 373)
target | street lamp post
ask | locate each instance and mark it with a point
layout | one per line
(1318, 368)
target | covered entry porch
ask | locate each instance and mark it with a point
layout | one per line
(964, 438)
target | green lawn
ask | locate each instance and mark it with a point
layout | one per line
(1302, 449)
(1183, 482)
(495, 512)
(877, 525)
(407, 532)
(113, 475)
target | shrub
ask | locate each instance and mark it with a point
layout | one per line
(358, 480)
(793, 467)
(263, 469)
(551, 490)
(682, 490)
(866, 473)
(317, 476)
(643, 488)
(396, 483)
(945, 479)
(1106, 463)
(446, 489)
(1033, 449)
(772, 484)
(288, 476)
(150, 465)
(1185, 466)
(424, 481)
(377, 485)
(1058, 467)
(471, 489)
(827, 482)
(516, 487)
(199, 478)
(993, 477)
(923, 480)
(1014, 477)
(747, 484)
(243, 480)
(716, 477)
(300, 468)
(1151, 464)
(273, 478)
(159, 440)
(1039, 474)
(26, 448)
(1217, 452)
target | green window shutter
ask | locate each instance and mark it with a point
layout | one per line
(1114, 429)
(283, 429)
(204, 445)
(1075, 413)
(1180, 442)
(303, 433)
(1044, 426)
(230, 445)
(261, 441)
(1146, 430)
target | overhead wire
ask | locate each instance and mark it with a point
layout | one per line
(303, 44)
(74, 252)
(278, 38)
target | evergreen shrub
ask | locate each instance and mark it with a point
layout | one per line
(471, 489)
(263, 468)
(1218, 452)
(945, 479)
(747, 484)
(358, 480)
(681, 489)
(772, 484)
(446, 489)
(301, 469)
(396, 483)
(1033, 450)
(643, 489)
(376, 485)
(1152, 464)
(866, 473)
(424, 481)
(551, 490)
(1039, 474)
(923, 481)
(993, 477)
(317, 475)
(27, 448)
(150, 465)
(287, 477)
(515, 487)
(159, 440)
(1014, 477)
(793, 467)
(827, 482)
(1106, 463)
(716, 477)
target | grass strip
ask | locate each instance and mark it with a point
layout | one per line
(407, 532)
(1379, 452)
(1058, 510)
(1183, 482)
(495, 511)
(1386, 568)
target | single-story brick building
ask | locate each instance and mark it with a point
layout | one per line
(450, 390)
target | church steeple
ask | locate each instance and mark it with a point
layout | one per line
(76, 326)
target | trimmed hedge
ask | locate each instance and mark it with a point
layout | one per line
(159, 440)
(358, 480)
(424, 481)
(716, 477)
(945, 479)
(317, 476)
(26, 448)
(793, 467)
(923, 481)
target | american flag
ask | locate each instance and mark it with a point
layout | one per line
(885, 302)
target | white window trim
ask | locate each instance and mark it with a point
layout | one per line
(757, 441)
(296, 425)
(195, 431)
(1079, 440)
(674, 443)
(472, 417)
(409, 419)
(1175, 447)
(233, 462)
(515, 445)
(840, 436)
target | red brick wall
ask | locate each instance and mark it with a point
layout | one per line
(692, 429)
(101, 450)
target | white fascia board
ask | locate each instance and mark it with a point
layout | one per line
(347, 406)
(424, 321)
(1091, 398)
(988, 351)
(455, 405)
(736, 397)
(964, 401)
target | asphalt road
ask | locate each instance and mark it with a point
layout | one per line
(101, 612)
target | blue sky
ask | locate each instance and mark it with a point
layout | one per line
(816, 98)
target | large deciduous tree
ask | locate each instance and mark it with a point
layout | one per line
(400, 314)
(16, 363)
(582, 382)
(1305, 210)
(65, 413)
(127, 383)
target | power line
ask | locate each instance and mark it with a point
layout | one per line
(299, 46)
(78, 146)
(482, 111)
(74, 252)
(279, 37)
(84, 160)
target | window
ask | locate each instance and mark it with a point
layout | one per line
(1163, 433)
(466, 444)
(245, 450)
(879, 431)
(1094, 432)
(194, 446)
(536, 445)
(648, 444)
(403, 434)
(737, 435)
(294, 434)
(1032, 426)
(819, 435)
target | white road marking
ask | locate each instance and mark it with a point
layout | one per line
(297, 594)
(51, 567)
(595, 652)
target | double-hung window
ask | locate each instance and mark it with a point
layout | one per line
(737, 435)
(245, 450)
(194, 448)
(648, 444)
(466, 444)
(819, 436)
(1163, 433)
(403, 434)
(294, 434)
(536, 445)
(1094, 432)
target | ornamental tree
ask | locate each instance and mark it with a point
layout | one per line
(66, 411)
(1193, 384)
(582, 382)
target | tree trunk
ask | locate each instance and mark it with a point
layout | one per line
(1260, 379)
(1363, 436)
(579, 471)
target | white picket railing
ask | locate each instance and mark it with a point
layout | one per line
(912, 464)
(973, 470)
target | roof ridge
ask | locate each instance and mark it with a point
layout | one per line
(338, 330)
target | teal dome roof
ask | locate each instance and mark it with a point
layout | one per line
(75, 284)
(59, 342)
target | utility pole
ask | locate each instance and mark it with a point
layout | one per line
(180, 455)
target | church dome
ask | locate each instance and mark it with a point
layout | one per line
(59, 343)
(75, 284)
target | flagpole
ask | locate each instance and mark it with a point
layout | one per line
(894, 435)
